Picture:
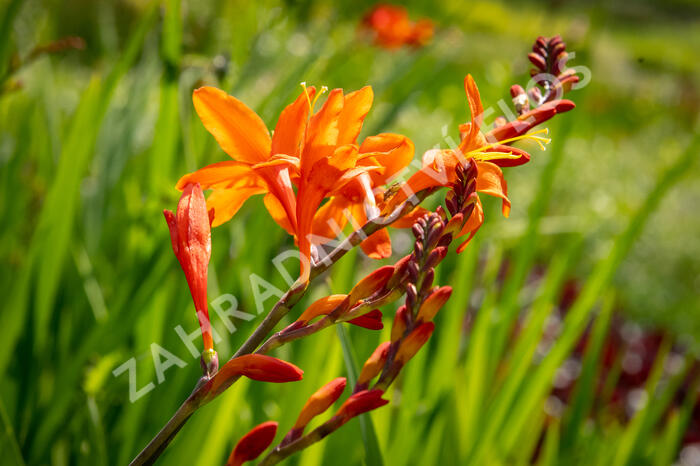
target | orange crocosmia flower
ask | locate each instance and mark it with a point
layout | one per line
(392, 27)
(252, 444)
(361, 200)
(439, 166)
(256, 167)
(320, 401)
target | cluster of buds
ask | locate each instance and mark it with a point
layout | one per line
(544, 100)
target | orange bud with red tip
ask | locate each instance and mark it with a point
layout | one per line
(324, 306)
(190, 234)
(320, 401)
(254, 366)
(252, 444)
(433, 304)
(360, 403)
(400, 324)
(372, 283)
(414, 342)
(374, 364)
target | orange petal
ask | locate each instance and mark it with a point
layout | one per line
(472, 225)
(438, 170)
(320, 401)
(392, 151)
(322, 132)
(377, 245)
(477, 114)
(410, 218)
(291, 125)
(355, 109)
(222, 175)
(374, 364)
(239, 130)
(330, 219)
(277, 212)
(490, 181)
(252, 444)
(226, 202)
(322, 307)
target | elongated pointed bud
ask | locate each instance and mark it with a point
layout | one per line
(324, 306)
(433, 304)
(374, 364)
(428, 278)
(360, 403)
(190, 234)
(372, 283)
(254, 366)
(414, 342)
(252, 444)
(320, 401)
(454, 225)
(436, 256)
(400, 324)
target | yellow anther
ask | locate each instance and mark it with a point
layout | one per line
(312, 105)
(541, 141)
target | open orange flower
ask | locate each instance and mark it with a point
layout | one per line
(439, 166)
(359, 199)
(317, 152)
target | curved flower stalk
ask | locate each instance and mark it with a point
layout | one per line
(312, 157)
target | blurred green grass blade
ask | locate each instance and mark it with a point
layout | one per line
(12, 453)
(550, 451)
(519, 365)
(524, 249)
(575, 321)
(583, 396)
(8, 18)
(676, 427)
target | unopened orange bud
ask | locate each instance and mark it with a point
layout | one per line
(414, 342)
(374, 364)
(400, 324)
(320, 401)
(190, 234)
(454, 225)
(371, 284)
(323, 306)
(254, 366)
(433, 304)
(360, 403)
(252, 444)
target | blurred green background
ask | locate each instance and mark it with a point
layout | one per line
(92, 141)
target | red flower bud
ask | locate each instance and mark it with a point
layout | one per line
(190, 234)
(413, 342)
(254, 366)
(374, 364)
(372, 283)
(252, 444)
(360, 403)
(372, 320)
(433, 304)
(320, 401)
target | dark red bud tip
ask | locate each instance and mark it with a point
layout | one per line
(252, 444)
(360, 403)
(372, 320)
(537, 60)
(516, 90)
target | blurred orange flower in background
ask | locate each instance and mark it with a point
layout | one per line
(392, 27)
